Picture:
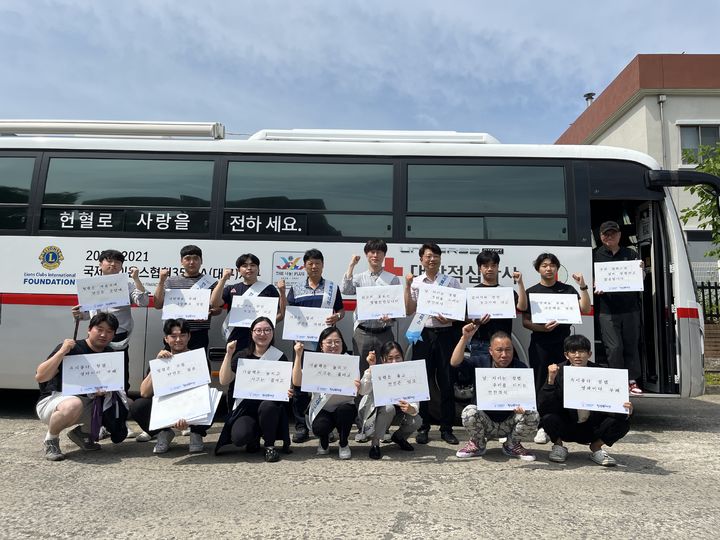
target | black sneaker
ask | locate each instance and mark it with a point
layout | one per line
(402, 443)
(52, 450)
(271, 455)
(301, 435)
(375, 452)
(422, 437)
(448, 437)
(82, 439)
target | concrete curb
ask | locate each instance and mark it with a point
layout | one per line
(712, 388)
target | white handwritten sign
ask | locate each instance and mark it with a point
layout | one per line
(190, 304)
(405, 381)
(102, 292)
(376, 302)
(330, 373)
(188, 404)
(205, 282)
(262, 379)
(504, 389)
(304, 323)
(90, 373)
(245, 309)
(498, 302)
(595, 389)
(445, 301)
(180, 372)
(620, 276)
(563, 308)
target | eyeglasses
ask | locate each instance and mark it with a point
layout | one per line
(332, 342)
(259, 331)
(177, 336)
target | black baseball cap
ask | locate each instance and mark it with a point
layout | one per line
(609, 226)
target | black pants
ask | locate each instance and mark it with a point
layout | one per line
(435, 348)
(126, 360)
(141, 409)
(541, 354)
(300, 402)
(266, 422)
(609, 429)
(620, 334)
(341, 418)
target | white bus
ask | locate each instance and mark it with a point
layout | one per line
(72, 189)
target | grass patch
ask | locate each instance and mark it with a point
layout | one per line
(712, 378)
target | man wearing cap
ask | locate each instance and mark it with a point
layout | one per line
(619, 312)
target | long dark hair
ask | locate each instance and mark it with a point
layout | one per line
(327, 332)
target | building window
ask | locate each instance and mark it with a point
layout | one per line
(693, 137)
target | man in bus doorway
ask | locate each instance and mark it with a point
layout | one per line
(433, 340)
(619, 312)
(315, 292)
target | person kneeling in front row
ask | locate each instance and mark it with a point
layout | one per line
(377, 420)
(577, 425)
(516, 425)
(60, 411)
(177, 337)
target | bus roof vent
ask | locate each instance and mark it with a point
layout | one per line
(357, 135)
(95, 128)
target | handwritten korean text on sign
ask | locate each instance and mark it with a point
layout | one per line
(330, 373)
(405, 381)
(90, 373)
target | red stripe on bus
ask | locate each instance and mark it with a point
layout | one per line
(35, 299)
(688, 313)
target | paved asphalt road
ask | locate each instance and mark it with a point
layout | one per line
(665, 486)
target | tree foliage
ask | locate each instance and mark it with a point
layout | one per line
(706, 210)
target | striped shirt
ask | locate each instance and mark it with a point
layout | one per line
(185, 282)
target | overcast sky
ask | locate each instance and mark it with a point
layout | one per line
(515, 69)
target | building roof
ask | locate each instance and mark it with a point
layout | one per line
(645, 74)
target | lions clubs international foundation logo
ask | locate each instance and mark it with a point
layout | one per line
(51, 257)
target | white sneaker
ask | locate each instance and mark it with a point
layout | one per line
(131, 432)
(143, 437)
(387, 438)
(163, 441)
(185, 432)
(361, 438)
(601, 457)
(322, 451)
(541, 437)
(345, 452)
(558, 454)
(196, 443)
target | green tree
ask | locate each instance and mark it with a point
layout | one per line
(706, 210)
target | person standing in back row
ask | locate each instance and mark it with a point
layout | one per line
(435, 344)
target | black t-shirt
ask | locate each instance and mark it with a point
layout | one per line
(238, 333)
(616, 302)
(561, 331)
(55, 384)
(485, 331)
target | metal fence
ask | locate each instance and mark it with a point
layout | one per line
(709, 296)
(705, 271)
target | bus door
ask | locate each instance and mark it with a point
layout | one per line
(658, 347)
